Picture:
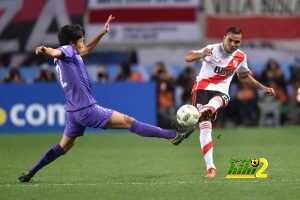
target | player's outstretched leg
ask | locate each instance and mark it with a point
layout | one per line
(147, 130)
(207, 114)
(119, 120)
(56, 151)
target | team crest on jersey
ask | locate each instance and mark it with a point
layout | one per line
(223, 71)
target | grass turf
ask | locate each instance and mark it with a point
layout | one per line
(118, 165)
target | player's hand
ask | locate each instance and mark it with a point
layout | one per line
(269, 91)
(106, 25)
(40, 50)
(207, 52)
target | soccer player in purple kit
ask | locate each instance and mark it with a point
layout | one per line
(81, 108)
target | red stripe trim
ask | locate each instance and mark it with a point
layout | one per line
(194, 87)
(207, 147)
(206, 124)
(131, 15)
(202, 84)
(270, 27)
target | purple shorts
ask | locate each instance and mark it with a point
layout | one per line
(93, 116)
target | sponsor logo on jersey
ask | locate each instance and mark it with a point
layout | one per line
(223, 71)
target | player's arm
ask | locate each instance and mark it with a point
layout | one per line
(248, 79)
(93, 43)
(48, 51)
(192, 56)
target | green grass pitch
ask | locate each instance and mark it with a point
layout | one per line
(118, 165)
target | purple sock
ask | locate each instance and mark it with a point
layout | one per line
(50, 156)
(148, 130)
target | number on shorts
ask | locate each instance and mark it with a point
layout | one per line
(225, 98)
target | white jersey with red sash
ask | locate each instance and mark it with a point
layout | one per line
(218, 69)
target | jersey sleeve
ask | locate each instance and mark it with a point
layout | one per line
(68, 52)
(243, 66)
(201, 50)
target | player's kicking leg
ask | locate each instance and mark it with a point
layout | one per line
(119, 120)
(208, 114)
(56, 151)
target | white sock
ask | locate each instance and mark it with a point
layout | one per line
(206, 143)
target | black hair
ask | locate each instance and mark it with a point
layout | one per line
(70, 33)
(234, 30)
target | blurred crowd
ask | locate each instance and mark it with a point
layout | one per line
(251, 107)
(248, 107)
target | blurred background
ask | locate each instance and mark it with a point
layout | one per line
(139, 66)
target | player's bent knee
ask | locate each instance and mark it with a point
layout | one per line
(68, 147)
(128, 121)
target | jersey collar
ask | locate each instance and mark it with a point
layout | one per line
(225, 52)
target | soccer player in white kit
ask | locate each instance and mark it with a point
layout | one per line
(210, 90)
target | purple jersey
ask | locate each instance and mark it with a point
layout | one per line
(73, 77)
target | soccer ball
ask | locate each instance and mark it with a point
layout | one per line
(254, 163)
(187, 115)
